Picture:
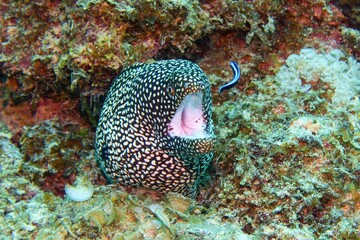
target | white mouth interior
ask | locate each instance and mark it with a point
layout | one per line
(188, 120)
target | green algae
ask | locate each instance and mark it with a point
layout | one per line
(87, 43)
(287, 167)
(50, 148)
(29, 212)
(287, 163)
(292, 157)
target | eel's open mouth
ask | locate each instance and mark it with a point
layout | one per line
(188, 121)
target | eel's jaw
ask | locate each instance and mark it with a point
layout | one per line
(188, 120)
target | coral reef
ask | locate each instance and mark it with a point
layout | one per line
(287, 155)
(55, 153)
(287, 167)
(294, 151)
(29, 212)
(351, 9)
(75, 48)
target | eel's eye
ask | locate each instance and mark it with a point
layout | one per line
(170, 89)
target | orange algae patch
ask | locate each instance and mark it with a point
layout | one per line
(308, 125)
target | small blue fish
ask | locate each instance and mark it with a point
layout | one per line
(237, 74)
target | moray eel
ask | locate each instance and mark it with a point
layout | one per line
(155, 129)
(237, 74)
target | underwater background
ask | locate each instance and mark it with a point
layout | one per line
(286, 162)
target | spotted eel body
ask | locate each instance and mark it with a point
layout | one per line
(155, 129)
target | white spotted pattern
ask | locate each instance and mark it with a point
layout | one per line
(133, 145)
